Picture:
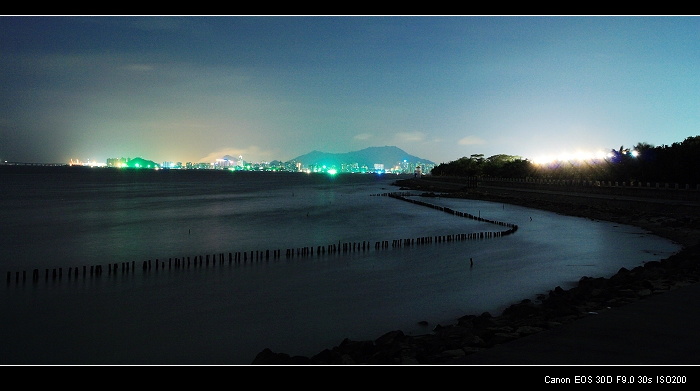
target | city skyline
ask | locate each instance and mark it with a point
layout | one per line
(271, 88)
(373, 159)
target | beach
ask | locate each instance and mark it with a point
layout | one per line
(472, 334)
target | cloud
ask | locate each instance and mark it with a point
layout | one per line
(471, 140)
(413, 136)
(363, 136)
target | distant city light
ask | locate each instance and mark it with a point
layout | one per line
(402, 166)
(77, 162)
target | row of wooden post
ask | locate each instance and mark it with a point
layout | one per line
(58, 272)
(477, 235)
(257, 256)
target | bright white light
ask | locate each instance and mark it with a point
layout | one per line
(578, 156)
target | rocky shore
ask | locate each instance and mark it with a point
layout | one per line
(676, 221)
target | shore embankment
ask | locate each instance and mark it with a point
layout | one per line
(675, 220)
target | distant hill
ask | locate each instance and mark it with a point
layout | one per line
(389, 156)
(142, 163)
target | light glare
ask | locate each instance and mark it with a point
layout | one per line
(578, 156)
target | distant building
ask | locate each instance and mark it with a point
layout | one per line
(88, 163)
(222, 164)
(199, 166)
(118, 162)
(172, 165)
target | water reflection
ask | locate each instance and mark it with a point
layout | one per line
(228, 313)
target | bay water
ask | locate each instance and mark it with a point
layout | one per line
(227, 313)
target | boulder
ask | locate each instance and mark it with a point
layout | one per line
(390, 337)
(268, 357)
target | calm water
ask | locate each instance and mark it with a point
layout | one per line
(227, 314)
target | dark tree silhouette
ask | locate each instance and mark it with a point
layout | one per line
(677, 163)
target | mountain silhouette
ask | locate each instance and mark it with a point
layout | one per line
(389, 156)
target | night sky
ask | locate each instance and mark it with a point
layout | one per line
(196, 88)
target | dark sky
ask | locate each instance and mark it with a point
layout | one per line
(197, 88)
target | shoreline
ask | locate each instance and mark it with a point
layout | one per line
(678, 222)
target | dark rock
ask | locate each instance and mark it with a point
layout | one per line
(390, 337)
(559, 308)
(299, 360)
(482, 321)
(592, 283)
(499, 338)
(345, 359)
(356, 349)
(327, 357)
(527, 330)
(268, 357)
(522, 310)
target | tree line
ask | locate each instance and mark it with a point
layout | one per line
(676, 163)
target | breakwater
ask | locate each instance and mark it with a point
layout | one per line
(478, 235)
(256, 256)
